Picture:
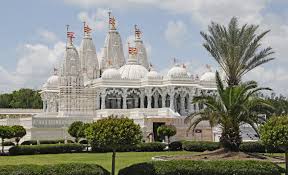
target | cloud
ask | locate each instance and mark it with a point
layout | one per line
(274, 77)
(47, 35)
(35, 64)
(176, 33)
(97, 20)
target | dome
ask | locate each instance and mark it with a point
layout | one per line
(133, 71)
(152, 74)
(52, 81)
(111, 73)
(208, 76)
(177, 72)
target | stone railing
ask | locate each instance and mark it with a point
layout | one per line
(19, 111)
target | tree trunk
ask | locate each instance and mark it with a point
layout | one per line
(230, 138)
(286, 160)
(113, 162)
(2, 145)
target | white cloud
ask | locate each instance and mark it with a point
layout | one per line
(274, 77)
(35, 64)
(47, 35)
(176, 33)
(97, 20)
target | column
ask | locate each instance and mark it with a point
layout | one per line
(149, 101)
(97, 101)
(136, 100)
(124, 101)
(103, 98)
(172, 101)
(189, 104)
(163, 100)
(142, 100)
(182, 105)
(118, 103)
(44, 105)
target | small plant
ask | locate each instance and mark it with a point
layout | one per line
(75, 130)
(18, 133)
(275, 133)
(166, 131)
(6, 132)
(113, 133)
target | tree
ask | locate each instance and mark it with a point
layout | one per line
(232, 107)
(275, 133)
(113, 133)
(166, 130)
(6, 132)
(236, 49)
(18, 133)
(75, 130)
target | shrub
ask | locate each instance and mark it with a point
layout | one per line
(200, 146)
(8, 143)
(45, 149)
(34, 142)
(186, 167)
(150, 147)
(60, 169)
(83, 142)
(253, 147)
(29, 142)
(175, 146)
(142, 147)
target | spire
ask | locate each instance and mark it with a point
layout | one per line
(55, 71)
(132, 51)
(70, 36)
(112, 22)
(137, 33)
(86, 29)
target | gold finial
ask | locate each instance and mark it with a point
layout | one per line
(137, 32)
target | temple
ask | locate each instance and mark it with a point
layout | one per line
(86, 88)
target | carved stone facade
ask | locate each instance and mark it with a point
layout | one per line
(87, 90)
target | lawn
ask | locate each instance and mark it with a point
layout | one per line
(103, 159)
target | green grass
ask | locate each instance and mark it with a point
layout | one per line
(103, 159)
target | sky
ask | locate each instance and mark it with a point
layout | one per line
(32, 34)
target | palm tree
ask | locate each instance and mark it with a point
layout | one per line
(236, 49)
(230, 108)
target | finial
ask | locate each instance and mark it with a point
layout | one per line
(70, 36)
(112, 21)
(55, 71)
(87, 29)
(137, 32)
(209, 67)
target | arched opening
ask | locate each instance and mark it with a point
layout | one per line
(167, 103)
(177, 103)
(113, 101)
(133, 101)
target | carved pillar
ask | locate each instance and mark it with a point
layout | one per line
(124, 99)
(149, 101)
(103, 99)
(156, 98)
(172, 101)
(119, 103)
(97, 101)
(189, 105)
(182, 104)
(142, 99)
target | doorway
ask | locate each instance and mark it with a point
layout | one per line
(156, 125)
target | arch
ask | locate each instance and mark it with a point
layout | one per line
(133, 98)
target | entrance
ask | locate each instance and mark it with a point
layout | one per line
(156, 125)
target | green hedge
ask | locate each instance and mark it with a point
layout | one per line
(175, 146)
(34, 142)
(45, 149)
(142, 147)
(200, 146)
(186, 167)
(258, 147)
(60, 169)
(8, 143)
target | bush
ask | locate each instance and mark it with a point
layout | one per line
(34, 142)
(200, 146)
(45, 149)
(29, 142)
(258, 147)
(83, 142)
(142, 147)
(186, 167)
(150, 147)
(175, 146)
(8, 143)
(60, 169)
